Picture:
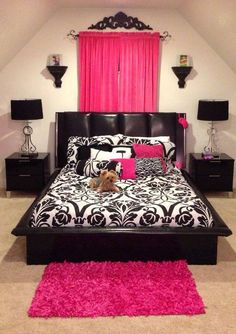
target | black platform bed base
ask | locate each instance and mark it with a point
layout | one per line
(43, 249)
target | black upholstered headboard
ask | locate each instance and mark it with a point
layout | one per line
(73, 123)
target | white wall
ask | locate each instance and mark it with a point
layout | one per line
(26, 77)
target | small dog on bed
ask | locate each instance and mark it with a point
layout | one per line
(105, 182)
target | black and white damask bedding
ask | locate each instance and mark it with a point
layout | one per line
(150, 201)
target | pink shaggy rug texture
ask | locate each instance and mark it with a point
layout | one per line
(93, 289)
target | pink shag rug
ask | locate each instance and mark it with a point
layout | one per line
(93, 289)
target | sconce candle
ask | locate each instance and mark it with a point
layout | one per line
(55, 60)
(183, 60)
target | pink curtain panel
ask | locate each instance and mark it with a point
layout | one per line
(118, 71)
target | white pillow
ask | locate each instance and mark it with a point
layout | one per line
(114, 139)
(124, 151)
(152, 140)
(164, 139)
(104, 155)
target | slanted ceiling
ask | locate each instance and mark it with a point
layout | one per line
(19, 22)
(213, 19)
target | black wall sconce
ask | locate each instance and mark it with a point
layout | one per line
(181, 72)
(57, 72)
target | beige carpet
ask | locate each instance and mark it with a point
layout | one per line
(216, 284)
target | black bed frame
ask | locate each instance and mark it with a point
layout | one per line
(44, 245)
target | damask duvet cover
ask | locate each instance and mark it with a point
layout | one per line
(152, 201)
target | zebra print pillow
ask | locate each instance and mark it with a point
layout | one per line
(150, 167)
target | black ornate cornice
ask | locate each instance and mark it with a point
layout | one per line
(120, 20)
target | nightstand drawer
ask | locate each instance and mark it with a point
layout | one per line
(18, 167)
(215, 182)
(214, 167)
(24, 182)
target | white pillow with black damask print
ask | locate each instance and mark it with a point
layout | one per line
(103, 155)
(74, 142)
(169, 150)
(149, 167)
(93, 167)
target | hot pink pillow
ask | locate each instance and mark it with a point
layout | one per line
(148, 151)
(128, 168)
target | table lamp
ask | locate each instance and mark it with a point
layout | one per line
(27, 110)
(212, 111)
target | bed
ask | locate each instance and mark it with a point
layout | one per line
(55, 234)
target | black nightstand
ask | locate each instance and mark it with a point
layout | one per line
(26, 174)
(214, 174)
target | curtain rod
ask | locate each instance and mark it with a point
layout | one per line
(165, 35)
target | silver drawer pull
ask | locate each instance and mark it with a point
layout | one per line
(23, 175)
(214, 175)
(23, 161)
(215, 161)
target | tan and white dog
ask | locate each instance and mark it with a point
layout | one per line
(105, 182)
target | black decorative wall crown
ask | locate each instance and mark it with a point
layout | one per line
(120, 20)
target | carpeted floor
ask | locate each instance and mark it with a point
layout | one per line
(215, 284)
